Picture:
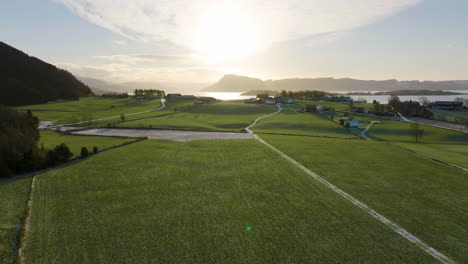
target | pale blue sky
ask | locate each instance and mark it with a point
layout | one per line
(423, 40)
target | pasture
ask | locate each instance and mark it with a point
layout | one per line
(203, 202)
(455, 154)
(290, 121)
(51, 139)
(89, 108)
(427, 198)
(222, 116)
(400, 131)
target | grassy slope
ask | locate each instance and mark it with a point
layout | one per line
(427, 198)
(223, 116)
(173, 202)
(97, 107)
(455, 154)
(399, 131)
(13, 197)
(51, 139)
(289, 121)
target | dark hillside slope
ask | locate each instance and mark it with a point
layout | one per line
(27, 80)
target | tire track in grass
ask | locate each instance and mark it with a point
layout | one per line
(394, 226)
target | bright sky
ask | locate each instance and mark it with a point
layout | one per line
(197, 41)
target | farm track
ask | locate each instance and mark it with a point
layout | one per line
(393, 226)
(23, 237)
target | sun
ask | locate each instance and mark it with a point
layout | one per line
(223, 33)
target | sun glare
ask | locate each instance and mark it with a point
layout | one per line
(225, 34)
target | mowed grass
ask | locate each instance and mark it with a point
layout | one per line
(400, 131)
(455, 154)
(221, 116)
(289, 121)
(90, 107)
(225, 201)
(51, 139)
(425, 197)
(13, 197)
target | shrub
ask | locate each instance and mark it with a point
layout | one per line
(95, 149)
(84, 152)
(59, 154)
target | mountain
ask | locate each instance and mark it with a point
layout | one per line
(102, 86)
(234, 83)
(27, 80)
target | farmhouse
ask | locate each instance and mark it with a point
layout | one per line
(180, 97)
(321, 108)
(447, 105)
(284, 100)
(311, 108)
(352, 122)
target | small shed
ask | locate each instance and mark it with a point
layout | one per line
(311, 108)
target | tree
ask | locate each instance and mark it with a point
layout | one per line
(284, 93)
(416, 132)
(95, 149)
(424, 101)
(395, 102)
(84, 152)
(122, 117)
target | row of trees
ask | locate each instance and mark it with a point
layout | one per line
(310, 94)
(143, 92)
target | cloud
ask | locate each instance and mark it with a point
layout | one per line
(272, 21)
(120, 42)
(137, 58)
(117, 73)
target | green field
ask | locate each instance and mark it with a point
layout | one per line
(201, 202)
(400, 131)
(455, 154)
(89, 108)
(289, 121)
(427, 198)
(222, 116)
(51, 139)
(13, 197)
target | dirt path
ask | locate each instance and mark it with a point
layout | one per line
(364, 132)
(163, 105)
(394, 226)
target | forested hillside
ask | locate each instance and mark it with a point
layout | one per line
(27, 80)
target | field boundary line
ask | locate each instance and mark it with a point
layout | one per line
(393, 226)
(163, 102)
(26, 221)
(431, 158)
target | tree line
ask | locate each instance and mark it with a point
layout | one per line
(145, 92)
(19, 144)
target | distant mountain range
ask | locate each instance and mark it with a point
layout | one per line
(27, 80)
(101, 86)
(235, 83)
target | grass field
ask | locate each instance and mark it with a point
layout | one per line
(13, 197)
(427, 198)
(231, 201)
(400, 131)
(89, 108)
(289, 121)
(455, 154)
(222, 116)
(51, 139)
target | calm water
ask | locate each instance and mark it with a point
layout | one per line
(383, 99)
